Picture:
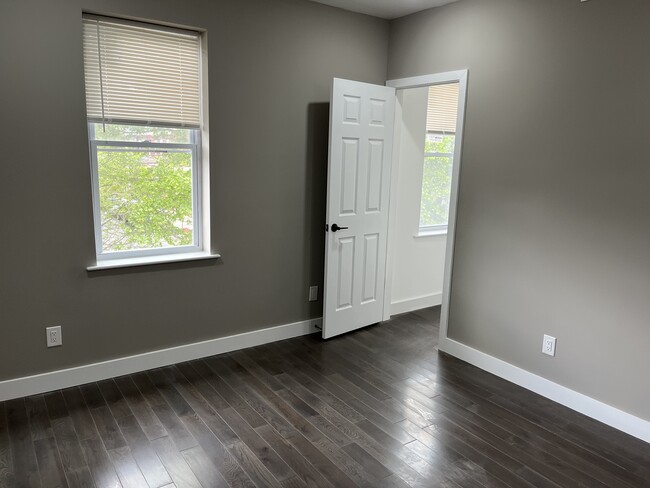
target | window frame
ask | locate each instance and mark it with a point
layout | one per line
(199, 147)
(197, 195)
(439, 229)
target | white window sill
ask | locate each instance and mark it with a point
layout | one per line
(431, 233)
(148, 260)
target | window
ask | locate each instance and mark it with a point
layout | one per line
(442, 108)
(143, 99)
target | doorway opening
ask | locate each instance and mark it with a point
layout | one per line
(424, 188)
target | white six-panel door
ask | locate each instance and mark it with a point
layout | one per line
(361, 133)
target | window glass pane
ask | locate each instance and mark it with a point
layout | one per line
(142, 133)
(145, 198)
(436, 179)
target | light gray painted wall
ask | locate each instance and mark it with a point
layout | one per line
(271, 63)
(553, 230)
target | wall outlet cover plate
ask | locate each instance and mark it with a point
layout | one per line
(53, 336)
(548, 346)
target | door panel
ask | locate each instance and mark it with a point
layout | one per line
(361, 132)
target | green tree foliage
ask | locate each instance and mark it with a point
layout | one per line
(436, 181)
(145, 195)
(141, 133)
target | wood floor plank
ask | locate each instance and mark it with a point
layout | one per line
(253, 466)
(268, 413)
(256, 370)
(463, 472)
(265, 453)
(330, 430)
(389, 413)
(303, 468)
(170, 421)
(162, 380)
(25, 467)
(92, 395)
(294, 482)
(321, 462)
(72, 456)
(108, 428)
(201, 397)
(146, 418)
(82, 478)
(216, 453)
(7, 477)
(438, 453)
(175, 464)
(204, 470)
(39, 420)
(49, 463)
(150, 465)
(233, 399)
(369, 463)
(82, 420)
(126, 467)
(291, 416)
(318, 392)
(99, 463)
(114, 399)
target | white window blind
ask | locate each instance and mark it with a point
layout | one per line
(140, 74)
(442, 108)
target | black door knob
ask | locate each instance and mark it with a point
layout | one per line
(336, 228)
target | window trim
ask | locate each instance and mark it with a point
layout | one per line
(197, 196)
(432, 230)
(151, 260)
(439, 229)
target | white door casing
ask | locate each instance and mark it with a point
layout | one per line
(460, 77)
(359, 174)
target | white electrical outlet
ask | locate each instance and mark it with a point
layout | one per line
(313, 293)
(548, 346)
(54, 337)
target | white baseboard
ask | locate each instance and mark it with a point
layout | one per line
(588, 406)
(417, 303)
(65, 378)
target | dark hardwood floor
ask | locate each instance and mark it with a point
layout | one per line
(378, 407)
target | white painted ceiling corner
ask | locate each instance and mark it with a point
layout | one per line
(385, 9)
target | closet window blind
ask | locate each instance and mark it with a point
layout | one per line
(442, 108)
(141, 74)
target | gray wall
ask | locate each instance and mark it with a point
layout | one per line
(271, 63)
(553, 228)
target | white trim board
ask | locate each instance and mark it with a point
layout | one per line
(588, 406)
(417, 303)
(65, 378)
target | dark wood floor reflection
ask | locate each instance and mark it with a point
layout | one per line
(376, 408)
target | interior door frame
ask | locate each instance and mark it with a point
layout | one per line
(460, 77)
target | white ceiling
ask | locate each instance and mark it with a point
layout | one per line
(386, 9)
